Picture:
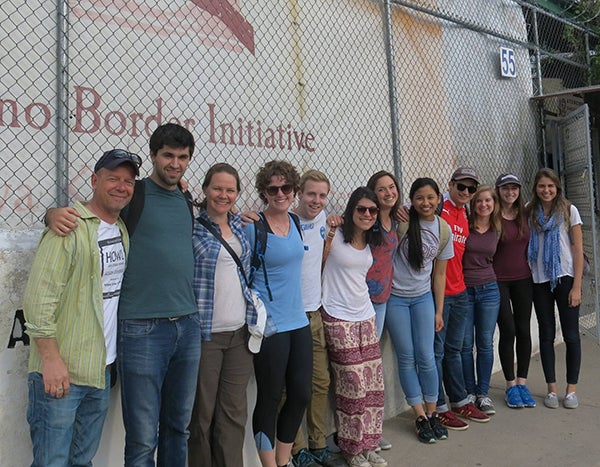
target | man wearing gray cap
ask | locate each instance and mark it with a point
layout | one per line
(70, 305)
(449, 341)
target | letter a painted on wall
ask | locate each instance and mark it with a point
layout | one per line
(18, 330)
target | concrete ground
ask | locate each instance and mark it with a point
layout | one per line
(516, 437)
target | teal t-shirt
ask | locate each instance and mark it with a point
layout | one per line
(160, 266)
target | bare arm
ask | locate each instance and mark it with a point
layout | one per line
(577, 251)
(439, 286)
(402, 214)
(249, 217)
(62, 221)
(54, 370)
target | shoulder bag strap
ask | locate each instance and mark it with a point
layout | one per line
(227, 246)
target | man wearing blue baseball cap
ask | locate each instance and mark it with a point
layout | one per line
(70, 305)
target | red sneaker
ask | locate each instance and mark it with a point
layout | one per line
(471, 412)
(451, 421)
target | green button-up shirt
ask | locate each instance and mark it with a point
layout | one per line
(63, 299)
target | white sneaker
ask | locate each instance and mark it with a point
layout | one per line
(374, 459)
(570, 401)
(384, 444)
(551, 400)
(357, 461)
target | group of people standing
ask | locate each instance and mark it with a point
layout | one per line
(189, 329)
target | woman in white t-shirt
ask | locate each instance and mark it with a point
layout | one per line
(351, 332)
(414, 314)
(555, 256)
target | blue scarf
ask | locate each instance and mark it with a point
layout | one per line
(551, 254)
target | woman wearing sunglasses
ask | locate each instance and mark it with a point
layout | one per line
(285, 357)
(485, 227)
(219, 416)
(351, 332)
(414, 316)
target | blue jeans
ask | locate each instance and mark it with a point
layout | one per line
(158, 365)
(380, 310)
(447, 347)
(66, 431)
(484, 305)
(411, 324)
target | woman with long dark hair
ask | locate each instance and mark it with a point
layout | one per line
(351, 333)
(415, 313)
(556, 259)
(516, 291)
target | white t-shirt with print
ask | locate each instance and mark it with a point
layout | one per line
(112, 267)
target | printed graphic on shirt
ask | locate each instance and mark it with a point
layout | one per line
(112, 265)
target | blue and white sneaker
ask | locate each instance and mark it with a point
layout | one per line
(528, 401)
(513, 398)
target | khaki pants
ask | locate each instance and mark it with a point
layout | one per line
(317, 412)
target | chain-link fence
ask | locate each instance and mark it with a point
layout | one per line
(346, 87)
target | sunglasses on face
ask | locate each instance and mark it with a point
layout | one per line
(285, 189)
(373, 210)
(461, 187)
(126, 155)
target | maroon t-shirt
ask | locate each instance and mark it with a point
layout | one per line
(478, 257)
(510, 261)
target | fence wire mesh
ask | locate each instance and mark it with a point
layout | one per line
(305, 81)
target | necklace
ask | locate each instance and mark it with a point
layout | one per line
(279, 228)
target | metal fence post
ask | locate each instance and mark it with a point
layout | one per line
(391, 69)
(62, 103)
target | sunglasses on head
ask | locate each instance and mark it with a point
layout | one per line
(461, 187)
(122, 154)
(285, 189)
(373, 210)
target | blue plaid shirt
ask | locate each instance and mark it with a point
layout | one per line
(206, 251)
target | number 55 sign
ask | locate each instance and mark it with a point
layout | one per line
(507, 63)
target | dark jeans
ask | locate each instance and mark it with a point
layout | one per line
(514, 321)
(543, 299)
(158, 363)
(447, 347)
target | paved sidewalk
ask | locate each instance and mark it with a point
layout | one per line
(516, 437)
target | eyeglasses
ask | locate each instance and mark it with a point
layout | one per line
(373, 210)
(122, 154)
(472, 188)
(285, 189)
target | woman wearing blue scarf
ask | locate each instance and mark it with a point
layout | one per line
(555, 256)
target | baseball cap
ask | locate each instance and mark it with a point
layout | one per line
(257, 330)
(462, 173)
(506, 179)
(115, 157)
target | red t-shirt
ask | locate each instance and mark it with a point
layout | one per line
(459, 224)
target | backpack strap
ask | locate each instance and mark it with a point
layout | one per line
(135, 207)
(258, 252)
(296, 220)
(444, 235)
